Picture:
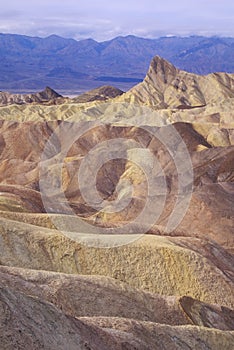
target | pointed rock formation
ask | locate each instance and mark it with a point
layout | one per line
(168, 87)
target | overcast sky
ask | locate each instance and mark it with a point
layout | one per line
(105, 19)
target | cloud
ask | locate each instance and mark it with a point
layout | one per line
(104, 19)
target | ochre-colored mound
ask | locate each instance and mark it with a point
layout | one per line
(170, 266)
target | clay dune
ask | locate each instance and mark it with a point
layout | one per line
(116, 216)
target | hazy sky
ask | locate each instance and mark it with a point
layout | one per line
(105, 19)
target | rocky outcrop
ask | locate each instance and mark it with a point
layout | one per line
(50, 97)
(47, 96)
(168, 87)
(102, 93)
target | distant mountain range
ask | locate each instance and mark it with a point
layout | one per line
(31, 63)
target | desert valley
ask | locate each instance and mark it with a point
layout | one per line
(116, 215)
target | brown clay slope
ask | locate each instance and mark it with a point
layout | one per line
(91, 296)
(28, 322)
(98, 296)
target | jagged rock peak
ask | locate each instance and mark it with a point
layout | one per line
(48, 93)
(166, 86)
(159, 65)
(160, 72)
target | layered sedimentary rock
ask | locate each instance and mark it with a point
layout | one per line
(75, 179)
(165, 86)
(210, 210)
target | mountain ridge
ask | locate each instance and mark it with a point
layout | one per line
(27, 61)
(166, 86)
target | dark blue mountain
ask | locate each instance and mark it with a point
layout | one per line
(29, 63)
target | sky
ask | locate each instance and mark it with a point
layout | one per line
(106, 19)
